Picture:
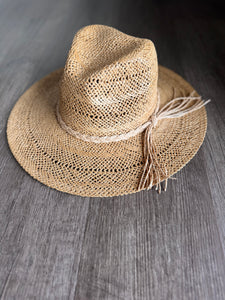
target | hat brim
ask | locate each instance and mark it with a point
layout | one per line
(61, 161)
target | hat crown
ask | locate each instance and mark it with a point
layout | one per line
(109, 83)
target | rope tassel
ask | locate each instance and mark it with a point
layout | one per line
(176, 108)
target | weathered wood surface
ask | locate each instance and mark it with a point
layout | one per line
(141, 246)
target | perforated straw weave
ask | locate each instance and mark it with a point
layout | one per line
(108, 88)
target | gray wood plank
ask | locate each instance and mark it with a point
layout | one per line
(150, 246)
(141, 246)
(41, 230)
(207, 73)
(41, 243)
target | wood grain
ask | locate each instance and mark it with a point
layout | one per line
(141, 246)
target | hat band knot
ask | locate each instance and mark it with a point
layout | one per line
(152, 172)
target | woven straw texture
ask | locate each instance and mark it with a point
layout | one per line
(108, 87)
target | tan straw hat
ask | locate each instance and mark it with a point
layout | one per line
(112, 122)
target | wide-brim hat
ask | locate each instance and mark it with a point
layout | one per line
(112, 122)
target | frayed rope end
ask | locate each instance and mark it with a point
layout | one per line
(153, 172)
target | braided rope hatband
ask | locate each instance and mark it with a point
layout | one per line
(152, 172)
(100, 139)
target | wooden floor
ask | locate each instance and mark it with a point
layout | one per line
(142, 246)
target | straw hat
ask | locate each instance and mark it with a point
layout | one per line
(112, 122)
